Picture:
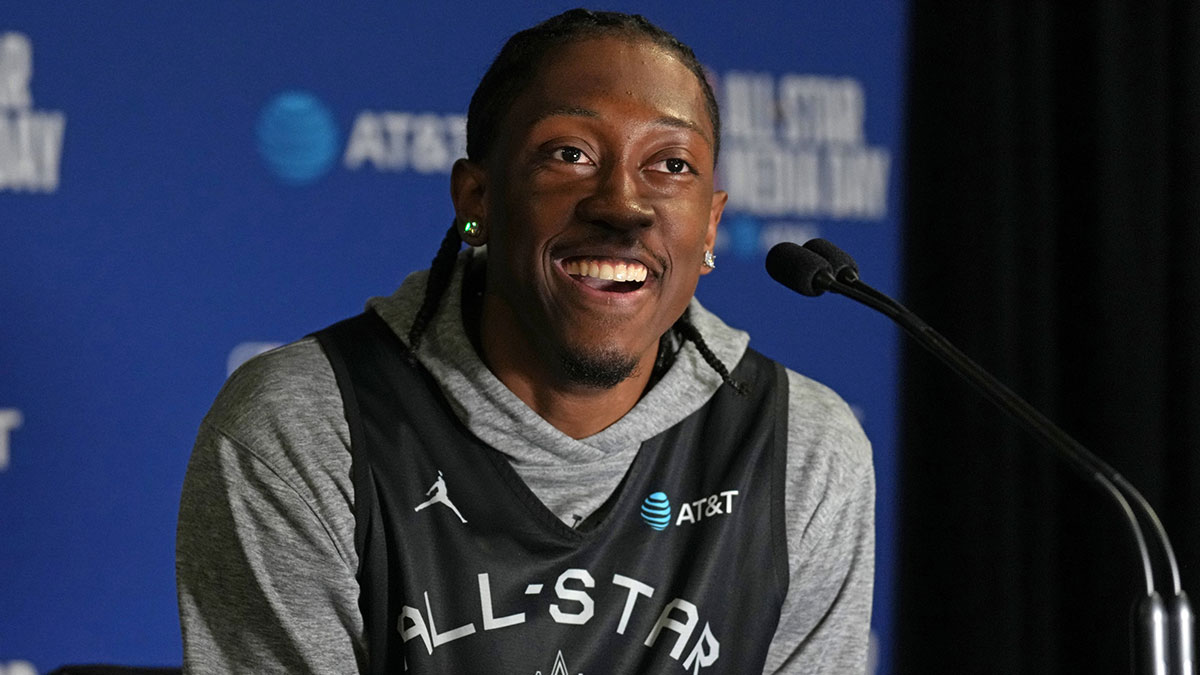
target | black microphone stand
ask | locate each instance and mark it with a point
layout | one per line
(1162, 628)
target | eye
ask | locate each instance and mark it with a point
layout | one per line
(572, 155)
(672, 165)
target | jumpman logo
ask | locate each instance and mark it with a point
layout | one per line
(439, 497)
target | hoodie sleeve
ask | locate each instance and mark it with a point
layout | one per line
(824, 626)
(265, 560)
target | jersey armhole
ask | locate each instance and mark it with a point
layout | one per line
(779, 469)
(336, 340)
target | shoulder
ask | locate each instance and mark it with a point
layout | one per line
(283, 390)
(830, 468)
(819, 419)
(283, 409)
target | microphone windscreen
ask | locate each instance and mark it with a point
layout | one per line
(797, 268)
(839, 259)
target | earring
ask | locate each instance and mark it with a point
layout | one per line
(710, 260)
(470, 228)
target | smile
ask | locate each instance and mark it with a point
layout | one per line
(607, 274)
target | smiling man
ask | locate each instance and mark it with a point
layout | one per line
(543, 452)
(604, 166)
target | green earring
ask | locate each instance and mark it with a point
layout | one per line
(470, 228)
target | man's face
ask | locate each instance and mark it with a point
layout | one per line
(600, 205)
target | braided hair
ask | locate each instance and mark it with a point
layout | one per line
(514, 68)
(521, 58)
(686, 330)
(440, 273)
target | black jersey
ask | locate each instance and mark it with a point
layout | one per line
(463, 570)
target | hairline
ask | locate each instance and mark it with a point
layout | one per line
(632, 36)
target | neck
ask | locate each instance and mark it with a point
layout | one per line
(538, 379)
(576, 410)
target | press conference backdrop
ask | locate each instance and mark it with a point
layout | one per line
(185, 184)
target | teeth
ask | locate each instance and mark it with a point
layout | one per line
(607, 270)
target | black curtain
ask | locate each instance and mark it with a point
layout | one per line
(1053, 233)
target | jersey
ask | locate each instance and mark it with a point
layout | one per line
(683, 569)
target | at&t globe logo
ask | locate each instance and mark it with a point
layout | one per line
(297, 137)
(656, 511)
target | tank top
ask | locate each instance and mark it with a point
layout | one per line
(463, 570)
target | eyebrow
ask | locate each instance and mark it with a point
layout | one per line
(665, 120)
(566, 111)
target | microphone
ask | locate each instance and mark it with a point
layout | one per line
(844, 267)
(800, 269)
(1162, 628)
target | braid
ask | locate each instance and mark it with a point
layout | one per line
(688, 331)
(440, 273)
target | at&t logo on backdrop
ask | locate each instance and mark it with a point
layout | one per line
(297, 137)
(300, 141)
(31, 141)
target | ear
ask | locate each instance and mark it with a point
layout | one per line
(720, 197)
(468, 191)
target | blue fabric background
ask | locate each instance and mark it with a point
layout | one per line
(202, 201)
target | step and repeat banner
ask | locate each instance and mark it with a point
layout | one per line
(185, 185)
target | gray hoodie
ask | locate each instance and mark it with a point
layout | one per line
(265, 556)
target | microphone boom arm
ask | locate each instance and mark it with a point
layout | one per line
(1163, 629)
(997, 392)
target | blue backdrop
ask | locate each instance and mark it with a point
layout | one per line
(182, 186)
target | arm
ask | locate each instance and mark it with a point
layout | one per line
(824, 625)
(265, 561)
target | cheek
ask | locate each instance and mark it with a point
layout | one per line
(685, 275)
(517, 265)
(690, 240)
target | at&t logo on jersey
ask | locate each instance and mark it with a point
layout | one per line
(657, 510)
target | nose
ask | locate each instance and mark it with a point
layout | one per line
(617, 201)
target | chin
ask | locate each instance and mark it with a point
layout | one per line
(598, 368)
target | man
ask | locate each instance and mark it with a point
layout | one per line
(622, 501)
